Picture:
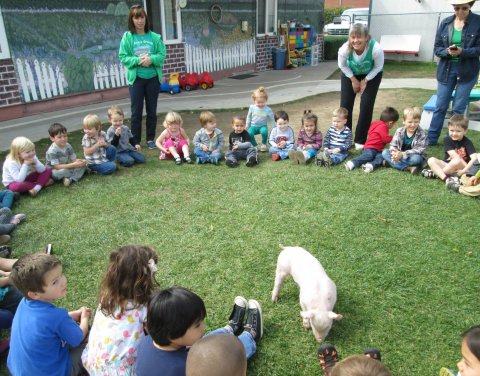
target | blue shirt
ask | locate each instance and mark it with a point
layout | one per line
(40, 339)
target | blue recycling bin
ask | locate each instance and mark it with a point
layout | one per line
(279, 56)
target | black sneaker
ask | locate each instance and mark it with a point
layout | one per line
(5, 251)
(453, 185)
(254, 322)
(235, 321)
(231, 163)
(252, 161)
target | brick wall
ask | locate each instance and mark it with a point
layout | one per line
(264, 47)
(321, 49)
(8, 84)
(175, 59)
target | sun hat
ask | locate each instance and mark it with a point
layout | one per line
(460, 2)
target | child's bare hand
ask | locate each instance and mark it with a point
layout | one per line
(138, 147)
(204, 147)
(101, 142)
(474, 180)
(235, 147)
(118, 131)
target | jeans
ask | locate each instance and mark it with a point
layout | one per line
(144, 90)
(337, 157)
(444, 96)
(128, 158)
(283, 153)
(106, 168)
(372, 156)
(206, 156)
(6, 198)
(253, 130)
(245, 337)
(402, 164)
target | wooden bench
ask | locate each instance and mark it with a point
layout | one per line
(401, 44)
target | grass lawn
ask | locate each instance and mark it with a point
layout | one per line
(402, 249)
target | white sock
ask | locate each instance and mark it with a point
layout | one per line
(306, 155)
(37, 188)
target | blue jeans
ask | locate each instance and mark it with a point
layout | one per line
(246, 338)
(338, 157)
(372, 156)
(402, 164)
(128, 158)
(283, 153)
(144, 90)
(444, 96)
(106, 168)
(6, 198)
(205, 156)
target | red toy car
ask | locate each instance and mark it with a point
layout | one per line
(206, 81)
(189, 82)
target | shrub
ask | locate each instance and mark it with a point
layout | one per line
(331, 45)
(329, 13)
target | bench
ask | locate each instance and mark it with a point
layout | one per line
(401, 44)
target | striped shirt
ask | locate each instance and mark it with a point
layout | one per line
(315, 140)
(338, 139)
(259, 117)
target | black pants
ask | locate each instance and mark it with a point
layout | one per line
(367, 101)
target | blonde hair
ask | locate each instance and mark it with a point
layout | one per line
(414, 112)
(309, 116)
(360, 365)
(358, 29)
(206, 117)
(115, 110)
(341, 112)
(458, 120)
(260, 92)
(92, 121)
(19, 145)
(172, 117)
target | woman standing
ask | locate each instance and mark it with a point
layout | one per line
(457, 45)
(361, 62)
(142, 52)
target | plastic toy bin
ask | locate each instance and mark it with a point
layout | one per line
(279, 55)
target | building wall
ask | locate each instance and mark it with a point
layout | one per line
(264, 48)
(8, 84)
(347, 3)
(175, 59)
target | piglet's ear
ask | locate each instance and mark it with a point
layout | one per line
(307, 314)
(334, 316)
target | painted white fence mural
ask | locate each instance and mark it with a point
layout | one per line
(199, 59)
(41, 80)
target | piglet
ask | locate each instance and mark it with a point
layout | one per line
(318, 292)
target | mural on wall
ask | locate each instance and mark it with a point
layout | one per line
(65, 46)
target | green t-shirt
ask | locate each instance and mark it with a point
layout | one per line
(143, 45)
(456, 40)
(363, 66)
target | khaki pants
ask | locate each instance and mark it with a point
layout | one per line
(467, 189)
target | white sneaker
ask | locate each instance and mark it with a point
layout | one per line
(358, 146)
(349, 166)
(367, 167)
(263, 148)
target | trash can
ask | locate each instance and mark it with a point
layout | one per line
(279, 55)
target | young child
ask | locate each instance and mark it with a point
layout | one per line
(99, 155)
(309, 139)
(173, 141)
(282, 138)
(260, 117)
(45, 339)
(176, 321)
(209, 140)
(378, 137)
(119, 321)
(61, 158)
(8, 221)
(469, 365)
(240, 145)
(120, 136)
(407, 149)
(22, 171)
(338, 140)
(460, 154)
(217, 355)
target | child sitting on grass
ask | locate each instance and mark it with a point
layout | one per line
(407, 149)
(378, 138)
(22, 171)
(469, 184)
(260, 117)
(45, 339)
(176, 321)
(338, 140)
(99, 154)
(173, 141)
(282, 138)
(460, 154)
(469, 365)
(120, 136)
(208, 141)
(61, 157)
(240, 145)
(309, 139)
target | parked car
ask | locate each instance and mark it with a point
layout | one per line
(341, 24)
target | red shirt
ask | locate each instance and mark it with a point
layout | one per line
(378, 136)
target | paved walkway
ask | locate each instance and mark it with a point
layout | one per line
(282, 86)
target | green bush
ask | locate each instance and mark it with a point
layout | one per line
(331, 45)
(329, 13)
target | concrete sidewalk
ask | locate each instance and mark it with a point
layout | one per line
(282, 86)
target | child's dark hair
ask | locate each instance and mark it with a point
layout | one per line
(472, 340)
(171, 312)
(239, 117)
(308, 116)
(129, 278)
(458, 120)
(29, 271)
(389, 114)
(56, 128)
(281, 115)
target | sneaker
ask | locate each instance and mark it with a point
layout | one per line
(66, 182)
(32, 192)
(455, 179)
(426, 173)
(367, 167)
(188, 160)
(446, 372)
(254, 322)
(263, 148)
(48, 249)
(178, 161)
(151, 145)
(385, 163)
(327, 160)
(358, 146)
(373, 353)
(349, 166)
(328, 358)
(319, 161)
(452, 185)
(214, 160)
(414, 170)
(4, 239)
(275, 157)
(17, 218)
(231, 163)
(252, 161)
(292, 155)
(301, 157)
(5, 251)
(235, 321)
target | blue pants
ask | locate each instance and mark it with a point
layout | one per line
(246, 338)
(372, 156)
(128, 158)
(402, 164)
(6, 198)
(106, 168)
(444, 95)
(205, 156)
(338, 157)
(283, 153)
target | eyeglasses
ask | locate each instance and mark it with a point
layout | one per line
(464, 8)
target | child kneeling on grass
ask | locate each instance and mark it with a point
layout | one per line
(469, 365)
(176, 321)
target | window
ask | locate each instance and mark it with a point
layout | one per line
(266, 16)
(4, 51)
(166, 20)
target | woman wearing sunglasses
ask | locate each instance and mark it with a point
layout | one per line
(457, 45)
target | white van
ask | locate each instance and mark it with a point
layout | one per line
(341, 24)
